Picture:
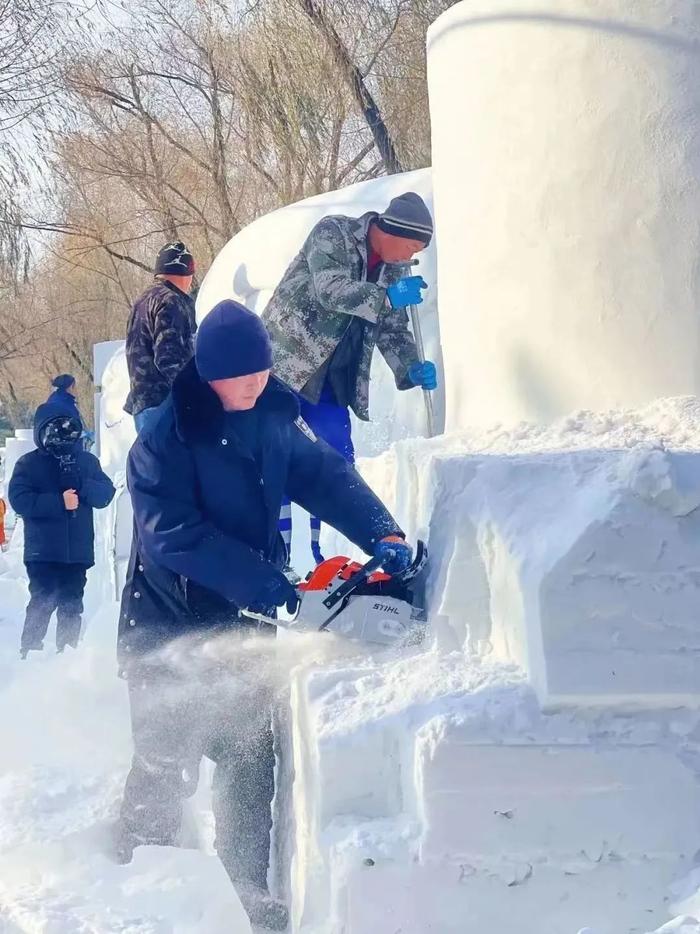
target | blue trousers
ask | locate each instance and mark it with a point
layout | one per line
(331, 422)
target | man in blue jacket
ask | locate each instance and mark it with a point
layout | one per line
(206, 480)
(54, 489)
(64, 394)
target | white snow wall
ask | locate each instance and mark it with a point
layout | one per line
(566, 171)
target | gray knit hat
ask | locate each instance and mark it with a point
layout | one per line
(407, 216)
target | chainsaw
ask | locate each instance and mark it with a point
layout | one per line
(358, 602)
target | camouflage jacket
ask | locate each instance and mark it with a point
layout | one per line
(314, 304)
(159, 342)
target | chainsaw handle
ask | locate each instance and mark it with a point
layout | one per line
(349, 585)
(368, 569)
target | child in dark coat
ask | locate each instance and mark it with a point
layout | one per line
(54, 489)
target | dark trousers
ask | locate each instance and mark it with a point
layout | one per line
(54, 586)
(177, 716)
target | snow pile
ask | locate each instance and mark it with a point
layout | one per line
(566, 172)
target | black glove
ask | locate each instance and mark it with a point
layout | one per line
(277, 591)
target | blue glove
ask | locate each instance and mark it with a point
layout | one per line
(394, 553)
(423, 374)
(276, 592)
(406, 292)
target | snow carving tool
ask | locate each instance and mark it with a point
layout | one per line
(358, 602)
(420, 349)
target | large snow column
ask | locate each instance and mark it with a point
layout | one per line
(252, 263)
(566, 175)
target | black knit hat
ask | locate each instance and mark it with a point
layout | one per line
(231, 341)
(407, 216)
(174, 259)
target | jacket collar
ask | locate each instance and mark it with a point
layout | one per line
(199, 414)
(170, 285)
(360, 225)
(360, 231)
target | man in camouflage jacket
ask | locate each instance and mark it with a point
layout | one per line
(344, 294)
(160, 334)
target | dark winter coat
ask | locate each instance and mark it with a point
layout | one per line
(206, 515)
(51, 532)
(159, 342)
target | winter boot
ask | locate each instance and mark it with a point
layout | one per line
(263, 910)
(25, 650)
(60, 649)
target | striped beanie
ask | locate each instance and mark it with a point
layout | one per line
(407, 216)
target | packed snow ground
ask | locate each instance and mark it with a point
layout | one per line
(66, 745)
(64, 755)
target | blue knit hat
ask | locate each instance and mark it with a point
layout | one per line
(231, 341)
(63, 381)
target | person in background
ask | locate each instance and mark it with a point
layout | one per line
(54, 489)
(206, 484)
(64, 394)
(160, 334)
(344, 294)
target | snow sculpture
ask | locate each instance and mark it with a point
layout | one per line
(566, 167)
(21, 443)
(115, 432)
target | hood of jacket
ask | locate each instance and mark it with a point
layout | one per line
(46, 413)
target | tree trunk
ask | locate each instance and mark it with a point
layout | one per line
(356, 81)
